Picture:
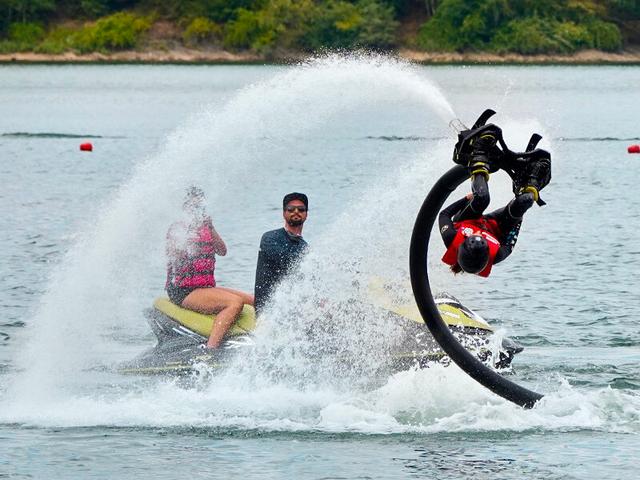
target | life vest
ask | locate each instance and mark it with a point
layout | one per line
(487, 228)
(192, 265)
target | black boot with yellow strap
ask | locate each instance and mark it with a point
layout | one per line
(483, 151)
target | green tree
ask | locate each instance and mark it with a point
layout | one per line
(341, 24)
(523, 26)
(624, 9)
(335, 25)
(219, 11)
(24, 11)
(443, 30)
(201, 30)
(280, 23)
(378, 27)
(115, 32)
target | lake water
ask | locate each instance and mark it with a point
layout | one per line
(82, 238)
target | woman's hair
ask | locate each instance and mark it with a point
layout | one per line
(193, 196)
(193, 192)
(456, 268)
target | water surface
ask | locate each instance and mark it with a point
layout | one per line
(82, 238)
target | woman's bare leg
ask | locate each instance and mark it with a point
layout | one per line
(224, 304)
(247, 298)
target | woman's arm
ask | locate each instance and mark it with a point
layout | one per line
(219, 247)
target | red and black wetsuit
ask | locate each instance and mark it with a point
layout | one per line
(485, 227)
(503, 224)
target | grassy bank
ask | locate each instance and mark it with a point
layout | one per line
(218, 56)
(275, 31)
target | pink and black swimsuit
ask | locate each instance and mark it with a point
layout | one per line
(192, 261)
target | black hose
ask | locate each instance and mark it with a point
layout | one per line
(424, 298)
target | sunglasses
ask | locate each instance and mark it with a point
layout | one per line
(293, 209)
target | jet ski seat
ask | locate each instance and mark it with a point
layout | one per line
(201, 323)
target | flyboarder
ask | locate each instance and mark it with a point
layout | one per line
(476, 241)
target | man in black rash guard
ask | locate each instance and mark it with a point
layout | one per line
(281, 249)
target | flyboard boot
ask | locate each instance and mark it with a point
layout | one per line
(482, 150)
(530, 170)
(478, 147)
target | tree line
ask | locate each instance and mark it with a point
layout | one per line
(269, 27)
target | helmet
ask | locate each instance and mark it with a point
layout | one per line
(473, 254)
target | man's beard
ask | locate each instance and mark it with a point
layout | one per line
(295, 223)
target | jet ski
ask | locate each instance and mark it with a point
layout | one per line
(416, 345)
(182, 334)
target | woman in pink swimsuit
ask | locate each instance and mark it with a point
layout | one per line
(191, 249)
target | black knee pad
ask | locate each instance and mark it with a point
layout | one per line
(481, 197)
(481, 200)
(521, 204)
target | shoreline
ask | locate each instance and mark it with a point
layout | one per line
(193, 56)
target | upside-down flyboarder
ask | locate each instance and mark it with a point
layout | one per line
(476, 241)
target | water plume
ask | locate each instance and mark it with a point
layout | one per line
(96, 295)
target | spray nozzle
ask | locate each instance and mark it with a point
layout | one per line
(457, 126)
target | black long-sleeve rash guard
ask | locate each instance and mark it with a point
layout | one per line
(279, 253)
(508, 225)
(445, 220)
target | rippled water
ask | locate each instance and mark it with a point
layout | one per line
(82, 239)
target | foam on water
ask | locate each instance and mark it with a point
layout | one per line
(319, 352)
(434, 400)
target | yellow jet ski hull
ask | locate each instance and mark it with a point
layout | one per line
(182, 334)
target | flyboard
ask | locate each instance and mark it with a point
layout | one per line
(418, 254)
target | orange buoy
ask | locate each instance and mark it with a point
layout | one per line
(633, 149)
(86, 147)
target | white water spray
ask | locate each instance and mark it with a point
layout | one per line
(96, 291)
